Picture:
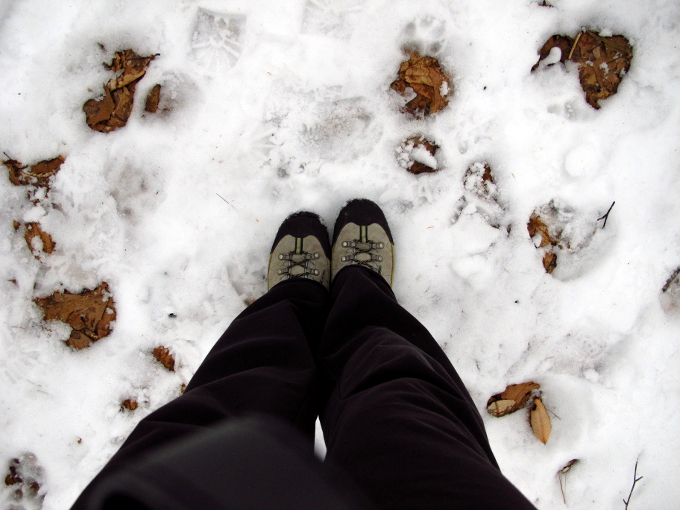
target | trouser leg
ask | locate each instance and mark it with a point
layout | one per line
(399, 419)
(263, 364)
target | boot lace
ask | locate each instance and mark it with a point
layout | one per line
(363, 251)
(298, 263)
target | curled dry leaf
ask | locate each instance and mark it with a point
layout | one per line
(540, 421)
(542, 223)
(535, 226)
(549, 262)
(479, 180)
(89, 313)
(37, 175)
(164, 357)
(129, 404)
(153, 99)
(113, 110)
(418, 155)
(513, 398)
(563, 42)
(424, 76)
(561, 474)
(38, 240)
(567, 467)
(602, 61)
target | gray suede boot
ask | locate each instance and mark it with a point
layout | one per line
(362, 237)
(301, 250)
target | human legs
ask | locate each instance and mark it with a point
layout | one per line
(262, 364)
(399, 419)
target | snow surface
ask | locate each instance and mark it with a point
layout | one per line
(280, 106)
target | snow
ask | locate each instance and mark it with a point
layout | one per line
(286, 106)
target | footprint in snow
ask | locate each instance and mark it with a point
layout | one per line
(328, 17)
(426, 35)
(217, 41)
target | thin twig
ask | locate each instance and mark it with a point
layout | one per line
(573, 46)
(635, 480)
(670, 280)
(606, 215)
(225, 200)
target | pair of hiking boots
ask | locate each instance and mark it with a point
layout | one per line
(361, 237)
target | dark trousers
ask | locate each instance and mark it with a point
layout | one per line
(396, 417)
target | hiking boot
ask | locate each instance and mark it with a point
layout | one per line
(300, 250)
(362, 237)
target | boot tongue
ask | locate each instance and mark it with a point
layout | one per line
(297, 271)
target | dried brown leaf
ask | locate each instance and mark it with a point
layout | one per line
(563, 42)
(38, 175)
(567, 466)
(129, 404)
(535, 226)
(562, 473)
(153, 99)
(540, 421)
(426, 78)
(513, 398)
(133, 67)
(99, 111)
(164, 357)
(113, 110)
(78, 340)
(35, 231)
(420, 143)
(89, 313)
(602, 61)
(478, 179)
(549, 262)
(501, 407)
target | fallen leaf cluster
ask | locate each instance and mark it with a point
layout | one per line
(129, 404)
(24, 477)
(516, 397)
(425, 77)
(113, 110)
(602, 61)
(513, 398)
(89, 313)
(164, 357)
(37, 175)
(417, 155)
